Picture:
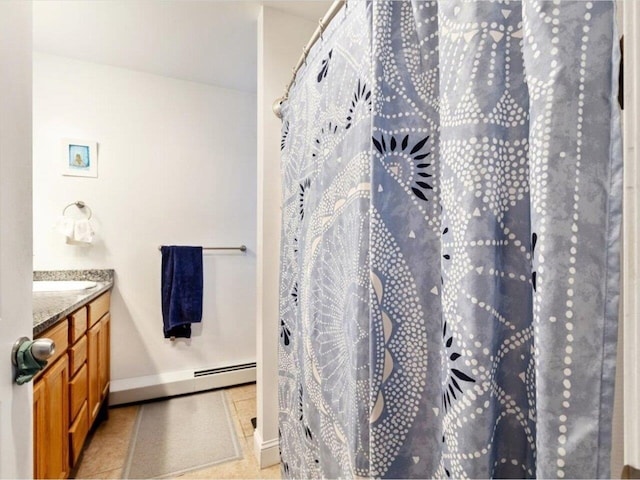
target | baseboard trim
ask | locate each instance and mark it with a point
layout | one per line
(267, 453)
(138, 389)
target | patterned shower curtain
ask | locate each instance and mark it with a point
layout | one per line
(450, 244)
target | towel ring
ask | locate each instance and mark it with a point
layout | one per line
(79, 204)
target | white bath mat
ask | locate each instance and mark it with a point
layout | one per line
(181, 434)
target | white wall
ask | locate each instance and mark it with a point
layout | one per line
(176, 166)
(280, 41)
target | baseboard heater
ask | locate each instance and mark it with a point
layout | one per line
(130, 390)
(233, 368)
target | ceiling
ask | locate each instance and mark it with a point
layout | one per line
(211, 41)
(312, 10)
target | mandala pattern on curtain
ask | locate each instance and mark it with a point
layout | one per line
(449, 258)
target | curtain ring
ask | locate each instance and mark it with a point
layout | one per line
(321, 29)
(294, 72)
(305, 52)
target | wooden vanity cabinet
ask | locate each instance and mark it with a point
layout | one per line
(71, 391)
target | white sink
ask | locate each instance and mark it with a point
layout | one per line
(62, 285)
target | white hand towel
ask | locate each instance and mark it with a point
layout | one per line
(65, 226)
(83, 232)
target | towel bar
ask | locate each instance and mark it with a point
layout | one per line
(242, 248)
(80, 204)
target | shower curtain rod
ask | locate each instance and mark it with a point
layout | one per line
(322, 25)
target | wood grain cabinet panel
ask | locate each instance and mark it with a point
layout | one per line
(57, 381)
(78, 325)
(59, 333)
(78, 432)
(78, 392)
(93, 359)
(103, 354)
(51, 407)
(39, 429)
(98, 360)
(98, 308)
(78, 355)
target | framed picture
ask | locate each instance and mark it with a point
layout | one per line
(80, 158)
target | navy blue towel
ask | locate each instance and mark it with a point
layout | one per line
(181, 289)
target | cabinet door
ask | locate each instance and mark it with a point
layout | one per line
(103, 360)
(39, 430)
(56, 398)
(93, 363)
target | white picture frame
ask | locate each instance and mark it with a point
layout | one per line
(79, 158)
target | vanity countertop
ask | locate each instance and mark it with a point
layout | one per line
(51, 307)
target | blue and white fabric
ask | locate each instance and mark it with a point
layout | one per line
(450, 243)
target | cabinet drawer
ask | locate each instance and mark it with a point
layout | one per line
(60, 335)
(78, 355)
(78, 325)
(78, 391)
(78, 433)
(98, 308)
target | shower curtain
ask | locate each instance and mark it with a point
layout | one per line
(450, 243)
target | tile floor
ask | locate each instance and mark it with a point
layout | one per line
(106, 450)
